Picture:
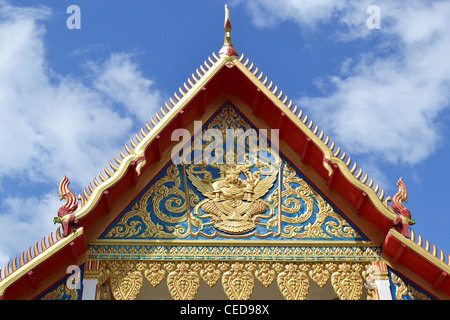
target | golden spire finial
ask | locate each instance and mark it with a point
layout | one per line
(227, 49)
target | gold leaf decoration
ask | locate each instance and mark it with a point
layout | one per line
(126, 285)
(346, 283)
(319, 274)
(265, 274)
(154, 274)
(62, 292)
(183, 283)
(238, 283)
(293, 284)
(210, 274)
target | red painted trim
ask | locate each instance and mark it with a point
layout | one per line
(360, 203)
(304, 153)
(398, 253)
(332, 177)
(439, 280)
(107, 197)
(158, 148)
(133, 174)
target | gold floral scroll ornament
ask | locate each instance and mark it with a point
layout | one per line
(210, 274)
(402, 291)
(319, 274)
(183, 283)
(154, 274)
(265, 274)
(238, 283)
(126, 285)
(293, 283)
(62, 293)
(347, 283)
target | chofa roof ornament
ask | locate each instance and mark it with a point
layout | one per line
(227, 50)
(66, 213)
(401, 224)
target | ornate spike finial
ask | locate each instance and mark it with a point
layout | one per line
(66, 213)
(403, 220)
(227, 49)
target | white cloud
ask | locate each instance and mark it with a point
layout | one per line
(386, 101)
(51, 124)
(119, 79)
(266, 13)
(31, 218)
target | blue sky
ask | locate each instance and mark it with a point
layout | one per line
(71, 98)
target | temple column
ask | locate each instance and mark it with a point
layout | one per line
(383, 289)
(89, 289)
(377, 281)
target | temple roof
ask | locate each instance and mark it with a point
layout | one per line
(228, 76)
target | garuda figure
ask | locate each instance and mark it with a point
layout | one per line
(233, 203)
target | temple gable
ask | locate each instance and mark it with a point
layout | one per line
(259, 195)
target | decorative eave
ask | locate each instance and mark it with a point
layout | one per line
(228, 73)
(47, 265)
(410, 258)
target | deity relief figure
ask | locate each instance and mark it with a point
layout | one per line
(231, 186)
(233, 203)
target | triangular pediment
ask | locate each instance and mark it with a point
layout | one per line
(230, 181)
(231, 171)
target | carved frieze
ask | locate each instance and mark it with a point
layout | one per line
(237, 278)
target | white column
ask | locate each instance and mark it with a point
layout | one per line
(89, 289)
(383, 288)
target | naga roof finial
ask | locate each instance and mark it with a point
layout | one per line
(66, 213)
(403, 220)
(227, 49)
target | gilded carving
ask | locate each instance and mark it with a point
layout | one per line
(293, 283)
(103, 273)
(265, 274)
(347, 283)
(136, 223)
(170, 266)
(416, 294)
(210, 274)
(223, 266)
(403, 291)
(233, 204)
(183, 283)
(377, 270)
(319, 274)
(154, 274)
(234, 252)
(238, 283)
(126, 285)
(257, 194)
(125, 278)
(296, 194)
(62, 292)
